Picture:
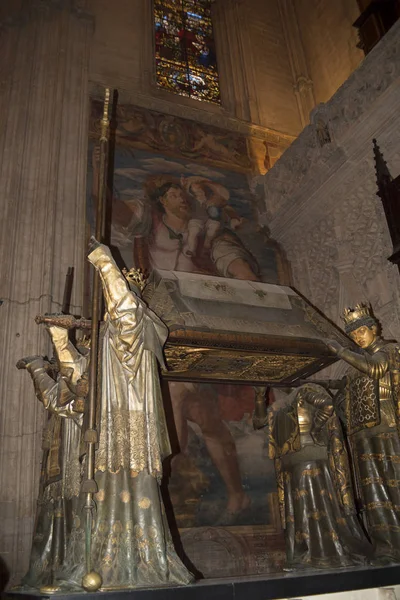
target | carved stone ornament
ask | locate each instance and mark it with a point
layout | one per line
(304, 162)
(321, 196)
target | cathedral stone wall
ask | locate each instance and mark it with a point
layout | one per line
(256, 80)
(258, 96)
(44, 92)
(321, 201)
(329, 42)
(276, 60)
(267, 55)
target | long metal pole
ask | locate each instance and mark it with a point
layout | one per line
(92, 581)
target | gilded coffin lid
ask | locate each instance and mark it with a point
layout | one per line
(239, 331)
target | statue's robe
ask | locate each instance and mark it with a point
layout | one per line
(314, 484)
(371, 409)
(131, 539)
(60, 477)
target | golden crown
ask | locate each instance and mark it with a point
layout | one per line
(84, 341)
(361, 311)
(136, 277)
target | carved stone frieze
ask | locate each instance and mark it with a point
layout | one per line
(312, 257)
(344, 254)
(363, 231)
(375, 74)
(345, 118)
(321, 195)
(288, 175)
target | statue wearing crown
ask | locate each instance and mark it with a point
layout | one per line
(370, 405)
(131, 544)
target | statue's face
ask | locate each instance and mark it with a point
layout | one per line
(364, 336)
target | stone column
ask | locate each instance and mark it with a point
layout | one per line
(44, 109)
(247, 56)
(235, 64)
(302, 83)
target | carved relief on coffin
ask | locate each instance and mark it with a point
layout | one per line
(212, 364)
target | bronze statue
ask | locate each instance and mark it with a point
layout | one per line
(371, 409)
(314, 482)
(60, 477)
(131, 544)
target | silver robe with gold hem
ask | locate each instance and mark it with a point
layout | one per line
(131, 540)
(314, 484)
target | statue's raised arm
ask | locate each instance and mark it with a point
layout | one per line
(133, 325)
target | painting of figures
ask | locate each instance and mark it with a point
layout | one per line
(189, 208)
(222, 474)
(173, 215)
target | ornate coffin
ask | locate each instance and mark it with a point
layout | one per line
(230, 330)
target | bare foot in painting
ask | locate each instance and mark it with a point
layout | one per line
(235, 507)
(237, 503)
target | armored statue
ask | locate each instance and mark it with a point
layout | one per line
(371, 411)
(314, 482)
(60, 476)
(131, 544)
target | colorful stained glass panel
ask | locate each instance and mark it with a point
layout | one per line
(185, 51)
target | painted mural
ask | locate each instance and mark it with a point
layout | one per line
(181, 200)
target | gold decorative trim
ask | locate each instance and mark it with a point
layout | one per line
(215, 364)
(116, 451)
(380, 457)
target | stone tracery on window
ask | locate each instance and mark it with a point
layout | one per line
(184, 46)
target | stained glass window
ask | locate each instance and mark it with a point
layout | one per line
(185, 52)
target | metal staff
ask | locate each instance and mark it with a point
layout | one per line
(64, 321)
(92, 581)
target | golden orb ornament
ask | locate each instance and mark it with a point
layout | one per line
(92, 581)
(49, 589)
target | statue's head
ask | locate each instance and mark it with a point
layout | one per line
(361, 324)
(136, 280)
